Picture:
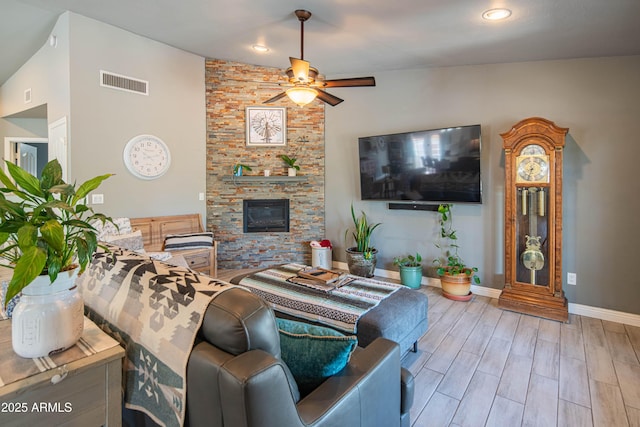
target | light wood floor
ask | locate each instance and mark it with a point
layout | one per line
(478, 365)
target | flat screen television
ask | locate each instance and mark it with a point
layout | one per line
(429, 166)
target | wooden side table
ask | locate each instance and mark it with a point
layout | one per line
(81, 386)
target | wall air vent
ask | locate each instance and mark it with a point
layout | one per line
(128, 84)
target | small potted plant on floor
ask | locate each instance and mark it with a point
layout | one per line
(455, 275)
(291, 164)
(362, 257)
(46, 237)
(410, 270)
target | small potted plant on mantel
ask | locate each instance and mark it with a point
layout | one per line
(291, 164)
(238, 168)
(410, 270)
(46, 237)
(455, 275)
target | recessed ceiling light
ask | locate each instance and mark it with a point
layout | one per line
(496, 14)
(260, 48)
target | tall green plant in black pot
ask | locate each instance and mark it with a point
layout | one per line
(362, 257)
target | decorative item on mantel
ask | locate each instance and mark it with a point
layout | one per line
(47, 238)
(238, 168)
(291, 163)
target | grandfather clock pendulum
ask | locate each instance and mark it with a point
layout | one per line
(533, 219)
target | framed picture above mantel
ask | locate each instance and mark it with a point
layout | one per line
(266, 126)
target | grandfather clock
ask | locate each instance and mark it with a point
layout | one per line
(533, 219)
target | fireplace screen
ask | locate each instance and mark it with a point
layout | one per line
(266, 215)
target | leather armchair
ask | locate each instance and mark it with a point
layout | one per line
(236, 378)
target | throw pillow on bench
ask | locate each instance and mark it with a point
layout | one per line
(179, 242)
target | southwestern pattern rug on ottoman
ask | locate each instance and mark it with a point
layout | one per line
(365, 307)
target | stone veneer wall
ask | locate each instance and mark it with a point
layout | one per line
(230, 87)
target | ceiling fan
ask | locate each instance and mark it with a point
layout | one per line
(304, 83)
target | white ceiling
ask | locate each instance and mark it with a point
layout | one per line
(345, 37)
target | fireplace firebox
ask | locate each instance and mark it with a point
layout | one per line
(265, 215)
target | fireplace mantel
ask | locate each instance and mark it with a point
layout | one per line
(259, 179)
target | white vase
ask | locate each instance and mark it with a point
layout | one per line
(292, 171)
(49, 318)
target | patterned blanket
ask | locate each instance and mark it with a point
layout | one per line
(339, 308)
(155, 311)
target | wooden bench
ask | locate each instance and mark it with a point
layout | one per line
(155, 228)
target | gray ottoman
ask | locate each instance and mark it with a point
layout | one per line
(402, 317)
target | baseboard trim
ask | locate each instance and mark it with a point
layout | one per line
(579, 309)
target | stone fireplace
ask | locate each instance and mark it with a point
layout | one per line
(230, 88)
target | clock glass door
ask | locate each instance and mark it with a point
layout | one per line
(532, 227)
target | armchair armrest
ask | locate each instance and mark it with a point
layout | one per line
(255, 389)
(366, 392)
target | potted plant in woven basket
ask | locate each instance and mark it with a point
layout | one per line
(455, 275)
(362, 257)
(47, 239)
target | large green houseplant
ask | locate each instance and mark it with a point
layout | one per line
(362, 257)
(46, 228)
(455, 275)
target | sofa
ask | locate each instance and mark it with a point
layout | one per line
(235, 374)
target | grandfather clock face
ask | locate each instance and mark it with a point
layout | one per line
(532, 219)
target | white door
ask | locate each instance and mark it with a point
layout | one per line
(27, 158)
(14, 145)
(58, 144)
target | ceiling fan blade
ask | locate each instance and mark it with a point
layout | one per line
(300, 69)
(353, 82)
(328, 98)
(275, 98)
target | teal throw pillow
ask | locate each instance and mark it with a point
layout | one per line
(313, 353)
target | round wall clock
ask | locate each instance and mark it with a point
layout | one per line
(147, 156)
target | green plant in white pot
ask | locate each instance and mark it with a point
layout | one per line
(46, 238)
(291, 164)
(455, 275)
(362, 258)
(410, 270)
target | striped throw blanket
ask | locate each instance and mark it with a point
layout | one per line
(340, 308)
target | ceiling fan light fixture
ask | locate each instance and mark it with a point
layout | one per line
(260, 48)
(302, 95)
(496, 14)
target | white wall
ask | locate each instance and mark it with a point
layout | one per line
(102, 120)
(597, 99)
(46, 73)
